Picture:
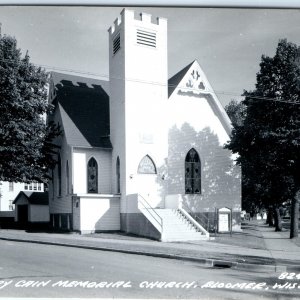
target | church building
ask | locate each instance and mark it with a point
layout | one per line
(140, 152)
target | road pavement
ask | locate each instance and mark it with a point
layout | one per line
(38, 270)
(258, 247)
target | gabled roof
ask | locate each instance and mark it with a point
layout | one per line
(38, 198)
(206, 91)
(175, 80)
(84, 107)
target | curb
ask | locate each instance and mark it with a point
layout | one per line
(208, 262)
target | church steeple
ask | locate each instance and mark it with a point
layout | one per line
(138, 93)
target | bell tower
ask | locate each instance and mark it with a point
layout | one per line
(138, 74)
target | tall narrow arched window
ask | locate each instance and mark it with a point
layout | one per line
(192, 173)
(92, 176)
(146, 166)
(59, 176)
(67, 178)
(53, 183)
(118, 175)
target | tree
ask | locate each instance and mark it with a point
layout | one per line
(268, 140)
(251, 187)
(26, 149)
(236, 112)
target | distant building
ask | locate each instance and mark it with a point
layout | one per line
(32, 208)
(9, 191)
(141, 153)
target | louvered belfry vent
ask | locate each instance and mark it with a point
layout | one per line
(146, 38)
(116, 44)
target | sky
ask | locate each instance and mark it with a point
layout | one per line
(227, 42)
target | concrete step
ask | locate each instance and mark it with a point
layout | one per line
(177, 227)
(182, 233)
(203, 238)
(185, 237)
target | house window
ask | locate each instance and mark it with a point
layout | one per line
(147, 166)
(28, 187)
(11, 187)
(11, 207)
(118, 175)
(92, 176)
(59, 176)
(192, 173)
(36, 186)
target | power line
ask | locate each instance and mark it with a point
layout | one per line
(272, 99)
(207, 91)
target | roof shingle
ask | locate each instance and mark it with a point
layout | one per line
(85, 104)
(38, 198)
(175, 80)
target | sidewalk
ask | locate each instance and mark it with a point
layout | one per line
(257, 248)
(279, 244)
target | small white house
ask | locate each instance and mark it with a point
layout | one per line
(142, 153)
(9, 191)
(31, 208)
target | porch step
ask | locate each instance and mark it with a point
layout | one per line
(176, 227)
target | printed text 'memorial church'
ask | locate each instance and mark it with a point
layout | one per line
(141, 153)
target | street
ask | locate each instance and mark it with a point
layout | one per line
(33, 270)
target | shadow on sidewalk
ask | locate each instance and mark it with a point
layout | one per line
(250, 237)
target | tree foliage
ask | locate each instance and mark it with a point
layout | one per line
(25, 138)
(268, 140)
(236, 112)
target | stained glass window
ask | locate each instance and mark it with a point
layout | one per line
(92, 176)
(147, 166)
(59, 176)
(67, 178)
(192, 173)
(118, 175)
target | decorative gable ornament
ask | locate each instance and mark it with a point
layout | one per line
(194, 83)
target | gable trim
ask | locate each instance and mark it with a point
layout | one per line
(207, 92)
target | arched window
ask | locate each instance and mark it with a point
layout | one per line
(67, 178)
(92, 176)
(59, 176)
(147, 166)
(192, 173)
(118, 175)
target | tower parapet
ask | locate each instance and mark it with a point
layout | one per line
(130, 15)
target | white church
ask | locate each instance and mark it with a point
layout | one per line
(142, 153)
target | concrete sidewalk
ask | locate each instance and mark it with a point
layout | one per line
(279, 245)
(257, 248)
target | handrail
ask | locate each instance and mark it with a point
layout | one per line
(194, 222)
(150, 210)
(196, 217)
